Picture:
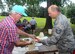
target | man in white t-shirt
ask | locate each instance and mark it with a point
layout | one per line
(33, 25)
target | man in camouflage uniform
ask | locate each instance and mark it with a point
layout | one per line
(62, 35)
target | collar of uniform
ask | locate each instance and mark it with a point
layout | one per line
(58, 15)
(56, 20)
(12, 18)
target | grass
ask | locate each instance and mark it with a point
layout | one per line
(2, 17)
(40, 21)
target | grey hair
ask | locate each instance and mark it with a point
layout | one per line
(12, 12)
(56, 8)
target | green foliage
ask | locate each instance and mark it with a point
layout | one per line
(71, 10)
(40, 21)
(33, 11)
(72, 20)
(57, 2)
(33, 8)
(41, 12)
(19, 2)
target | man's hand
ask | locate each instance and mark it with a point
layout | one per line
(23, 43)
(28, 42)
(32, 36)
(37, 40)
(25, 34)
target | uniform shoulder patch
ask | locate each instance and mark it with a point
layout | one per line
(58, 30)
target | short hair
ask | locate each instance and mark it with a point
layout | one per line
(32, 17)
(12, 12)
(55, 8)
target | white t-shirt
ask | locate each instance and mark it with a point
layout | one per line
(33, 22)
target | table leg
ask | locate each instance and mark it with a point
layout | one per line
(41, 53)
(35, 52)
(54, 53)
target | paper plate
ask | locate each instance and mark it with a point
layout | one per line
(38, 44)
(42, 38)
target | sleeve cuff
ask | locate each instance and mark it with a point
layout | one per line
(44, 42)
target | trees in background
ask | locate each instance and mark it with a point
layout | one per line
(71, 12)
(48, 19)
(1, 6)
(34, 10)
